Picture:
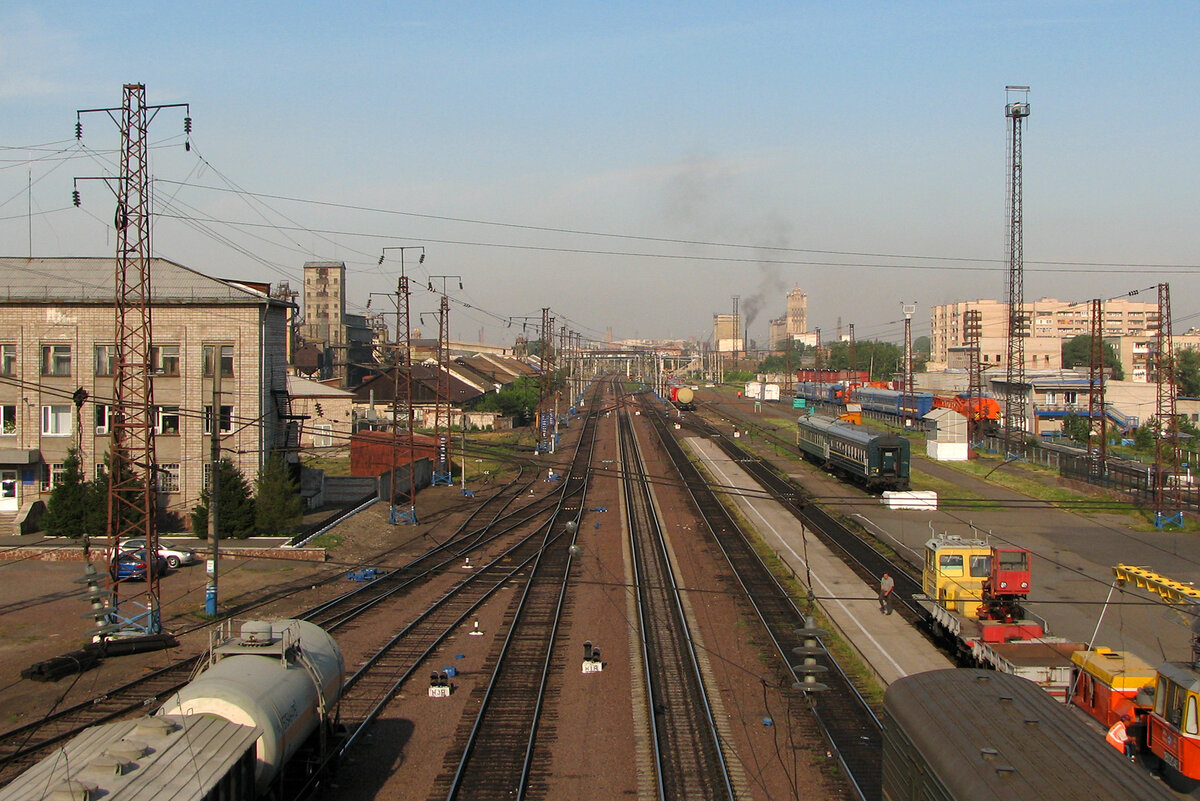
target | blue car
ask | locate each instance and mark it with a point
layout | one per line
(131, 566)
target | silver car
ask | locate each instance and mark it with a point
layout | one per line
(175, 555)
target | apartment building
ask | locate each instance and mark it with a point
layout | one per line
(57, 325)
(1050, 322)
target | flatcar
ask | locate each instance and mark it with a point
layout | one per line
(228, 734)
(890, 401)
(970, 734)
(871, 458)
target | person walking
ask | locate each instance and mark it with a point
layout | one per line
(886, 585)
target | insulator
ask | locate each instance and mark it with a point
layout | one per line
(187, 145)
(78, 129)
(75, 197)
(187, 125)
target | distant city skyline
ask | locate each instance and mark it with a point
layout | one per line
(628, 166)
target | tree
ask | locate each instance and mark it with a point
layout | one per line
(235, 512)
(1077, 352)
(518, 400)
(1187, 372)
(882, 359)
(67, 508)
(1077, 428)
(278, 507)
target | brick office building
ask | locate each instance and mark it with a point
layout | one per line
(57, 326)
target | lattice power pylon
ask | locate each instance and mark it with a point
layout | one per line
(1168, 505)
(972, 335)
(1016, 409)
(1097, 454)
(402, 393)
(134, 609)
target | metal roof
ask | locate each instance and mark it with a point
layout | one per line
(92, 280)
(168, 756)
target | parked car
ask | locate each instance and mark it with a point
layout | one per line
(131, 565)
(175, 555)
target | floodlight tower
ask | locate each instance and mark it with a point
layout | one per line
(1015, 404)
(908, 401)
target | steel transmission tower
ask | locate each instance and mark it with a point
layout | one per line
(133, 476)
(402, 391)
(1015, 403)
(972, 334)
(1098, 455)
(1168, 506)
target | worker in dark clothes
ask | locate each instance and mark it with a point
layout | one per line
(886, 585)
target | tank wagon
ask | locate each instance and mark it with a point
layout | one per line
(684, 398)
(265, 693)
(971, 734)
(874, 459)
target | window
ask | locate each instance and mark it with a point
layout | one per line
(103, 419)
(8, 419)
(56, 421)
(168, 477)
(226, 419)
(8, 359)
(981, 565)
(226, 359)
(168, 421)
(322, 435)
(52, 475)
(106, 359)
(951, 564)
(164, 359)
(56, 359)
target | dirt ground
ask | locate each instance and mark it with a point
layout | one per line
(594, 741)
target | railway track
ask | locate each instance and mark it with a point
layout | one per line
(24, 746)
(496, 758)
(843, 716)
(688, 756)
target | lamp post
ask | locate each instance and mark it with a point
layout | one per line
(395, 516)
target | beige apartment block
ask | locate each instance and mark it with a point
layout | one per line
(57, 324)
(1049, 319)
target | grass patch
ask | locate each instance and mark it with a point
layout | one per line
(949, 493)
(327, 541)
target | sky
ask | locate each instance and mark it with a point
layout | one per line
(631, 166)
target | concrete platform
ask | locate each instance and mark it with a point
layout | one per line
(888, 643)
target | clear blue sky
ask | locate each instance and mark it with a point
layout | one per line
(865, 128)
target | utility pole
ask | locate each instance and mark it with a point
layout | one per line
(133, 475)
(442, 473)
(1015, 402)
(211, 603)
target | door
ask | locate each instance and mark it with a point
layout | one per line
(8, 491)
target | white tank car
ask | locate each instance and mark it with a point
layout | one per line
(283, 676)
